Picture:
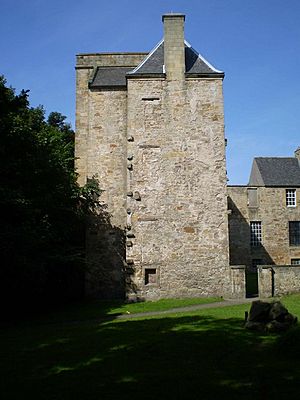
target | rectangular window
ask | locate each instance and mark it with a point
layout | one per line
(255, 233)
(252, 197)
(294, 233)
(290, 197)
(150, 276)
(295, 261)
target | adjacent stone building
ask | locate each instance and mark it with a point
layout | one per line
(264, 219)
(150, 127)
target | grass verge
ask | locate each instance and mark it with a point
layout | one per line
(201, 354)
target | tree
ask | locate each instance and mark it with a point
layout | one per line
(42, 207)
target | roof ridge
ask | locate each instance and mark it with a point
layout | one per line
(279, 157)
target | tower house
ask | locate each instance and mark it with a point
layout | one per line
(150, 126)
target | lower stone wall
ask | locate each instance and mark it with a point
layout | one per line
(276, 280)
(238, 281)
(286, 279)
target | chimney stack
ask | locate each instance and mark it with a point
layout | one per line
(174, 57)
(297, 153)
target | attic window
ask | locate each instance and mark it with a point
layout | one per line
(290, 196)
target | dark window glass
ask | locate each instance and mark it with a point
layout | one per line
(294, 228)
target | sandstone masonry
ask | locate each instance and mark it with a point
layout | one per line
(150, 127)
(267, 206)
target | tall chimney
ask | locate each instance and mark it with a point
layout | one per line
(174, 58)
(297, 153)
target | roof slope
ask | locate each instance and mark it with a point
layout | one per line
(106, 77)
(275, 171)
(195, 64)
(153, 64)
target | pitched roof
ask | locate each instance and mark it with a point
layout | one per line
(105, 77)
(153, 64)
(275, 171)
(195, 64)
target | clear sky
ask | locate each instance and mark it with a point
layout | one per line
(255, 42)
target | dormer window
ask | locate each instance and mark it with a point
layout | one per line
(290, 196)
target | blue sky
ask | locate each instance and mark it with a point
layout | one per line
(256, 43)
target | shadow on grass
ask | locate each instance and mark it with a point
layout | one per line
(163, 358)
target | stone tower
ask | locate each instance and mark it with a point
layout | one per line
(151, 127)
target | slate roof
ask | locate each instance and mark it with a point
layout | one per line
(105, 77)
(195, 64)
(275, 171)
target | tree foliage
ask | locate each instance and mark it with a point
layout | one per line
(42, 207)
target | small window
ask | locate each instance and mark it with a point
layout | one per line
(290, 196)
(255, 233)
(150, 276)
(295, 261)
(294, 233)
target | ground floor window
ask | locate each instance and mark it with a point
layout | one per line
(294, 233)
(150, 276)
(295, 261)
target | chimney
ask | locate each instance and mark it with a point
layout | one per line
(297, 153)
(174, 58)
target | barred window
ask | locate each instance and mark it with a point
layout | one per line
(295, 261)
(294, 233)
(255, 233)
(290, 196)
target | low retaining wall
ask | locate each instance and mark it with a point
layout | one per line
(275, 280)
(238, 281)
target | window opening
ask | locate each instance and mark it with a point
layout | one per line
(294, 233)
(150, 276)
(255, 233)
(290, 196)
(295, 261)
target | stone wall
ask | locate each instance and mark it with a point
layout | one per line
(277, 280)
(238, 281)
(101, 150)
(158, 151)
(239, 230)
(286, 279)
(272, 211)
(178, 223)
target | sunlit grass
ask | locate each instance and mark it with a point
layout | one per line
(203, 354)
(161, 305)
(99, 309)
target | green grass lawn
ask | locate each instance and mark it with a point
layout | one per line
(204, 354)
(102, 309)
